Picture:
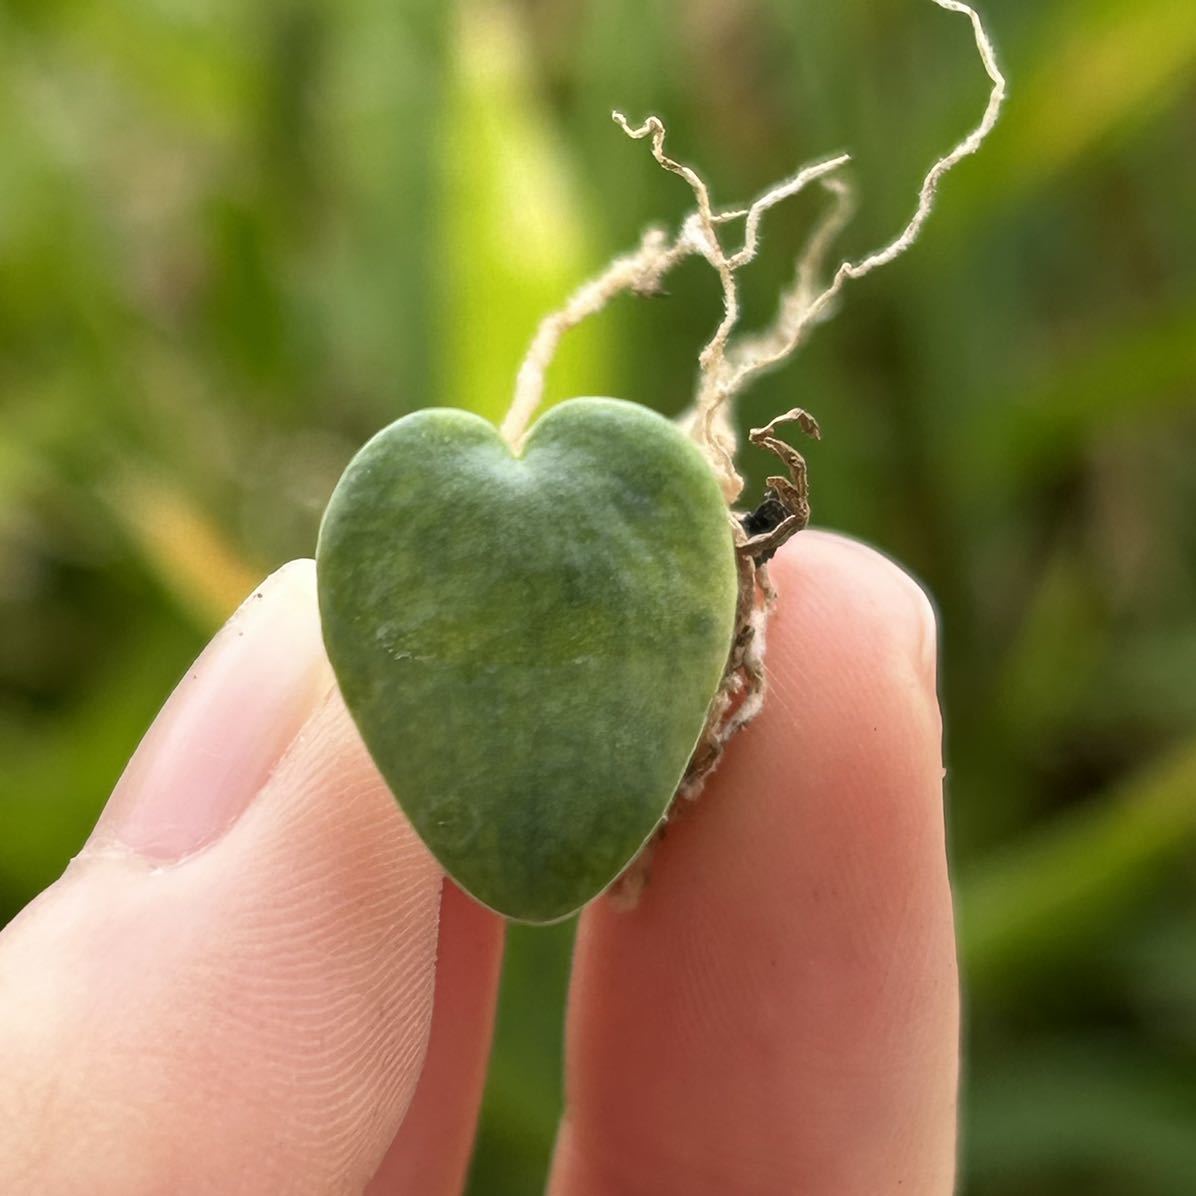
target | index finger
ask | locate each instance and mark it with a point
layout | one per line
(780, 1012)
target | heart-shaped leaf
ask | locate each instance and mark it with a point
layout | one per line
(529, 644)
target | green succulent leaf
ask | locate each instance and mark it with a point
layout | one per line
(530, 644)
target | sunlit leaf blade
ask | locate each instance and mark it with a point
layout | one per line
(515, 236)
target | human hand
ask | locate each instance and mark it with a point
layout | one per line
(253, 978)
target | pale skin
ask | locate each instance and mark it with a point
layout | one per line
(254, 979)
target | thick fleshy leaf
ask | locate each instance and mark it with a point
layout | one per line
(529, 645)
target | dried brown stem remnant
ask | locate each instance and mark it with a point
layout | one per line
(740, 697)
(786, 507)
(783, 513)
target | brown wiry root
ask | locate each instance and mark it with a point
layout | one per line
(786, 507)
(741, 694)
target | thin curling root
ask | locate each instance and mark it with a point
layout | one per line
(729, 362)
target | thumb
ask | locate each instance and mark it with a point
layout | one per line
(230, 989)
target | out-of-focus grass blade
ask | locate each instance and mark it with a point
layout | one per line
(516, 239)
(193, 63)
(1101, 68)
(1158, 969)
(1036, 905)
(1051, 665)
(523, 1098)
(187, 551)
(1151, 675)
(1136, 374)
(57, 774)
(1040, 1116)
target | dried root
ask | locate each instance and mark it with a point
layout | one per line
(729, 362)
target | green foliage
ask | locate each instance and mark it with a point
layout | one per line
(236, 239)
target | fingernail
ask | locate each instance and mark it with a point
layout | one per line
(918, 614)
(918, 611)
(225, 727)
(925, 620)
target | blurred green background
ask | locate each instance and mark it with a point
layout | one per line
(236, 238)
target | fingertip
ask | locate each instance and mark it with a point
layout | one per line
(223, 730)
(848, 605)
(847, 748)
(430, 1154)
(234, 990)
(785, 1011)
